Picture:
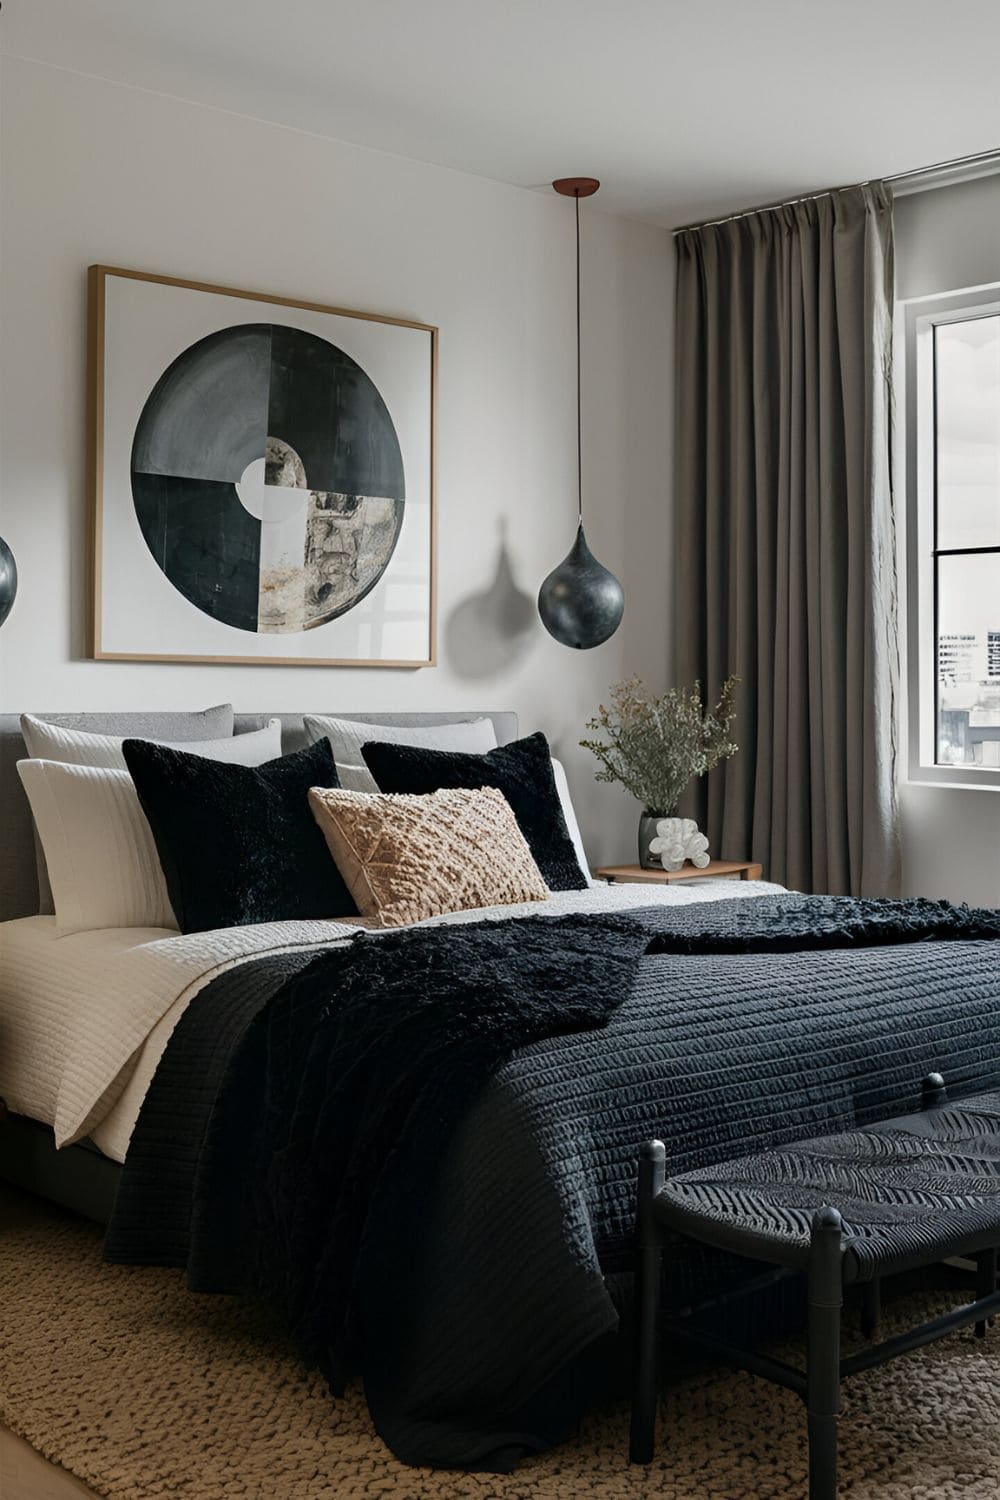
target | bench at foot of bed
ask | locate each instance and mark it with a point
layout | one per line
(842, 1209)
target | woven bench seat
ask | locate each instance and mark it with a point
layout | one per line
(909, 1192)
(849, 1208)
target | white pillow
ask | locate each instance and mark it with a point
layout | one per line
(569, 813)
(78, 747)
(346, 736)
(101, 858)
(251, 749)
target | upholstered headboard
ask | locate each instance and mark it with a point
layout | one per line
(18, 874)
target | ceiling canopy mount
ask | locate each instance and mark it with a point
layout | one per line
(576, 187)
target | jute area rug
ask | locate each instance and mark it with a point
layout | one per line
(141, 1389)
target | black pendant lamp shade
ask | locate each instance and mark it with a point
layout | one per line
(581, 603)
(8, 580)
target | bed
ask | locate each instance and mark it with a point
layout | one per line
(708, 1048)
(77, 1049)
(74, 1042)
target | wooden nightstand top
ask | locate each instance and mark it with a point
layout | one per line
(626, 874)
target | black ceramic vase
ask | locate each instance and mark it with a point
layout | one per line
(581, 603)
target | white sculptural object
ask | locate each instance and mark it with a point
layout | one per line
(678, 839)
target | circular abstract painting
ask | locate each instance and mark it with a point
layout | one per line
(267, 478)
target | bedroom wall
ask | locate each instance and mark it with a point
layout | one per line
(93, 171)
(947, 239)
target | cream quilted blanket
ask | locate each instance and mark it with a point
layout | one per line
(84, 1019)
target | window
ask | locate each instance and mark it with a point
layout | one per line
(952, 374)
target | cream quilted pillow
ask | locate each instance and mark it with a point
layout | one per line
(404, 858)
(100, 853)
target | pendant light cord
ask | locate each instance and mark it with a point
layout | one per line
(579, 403)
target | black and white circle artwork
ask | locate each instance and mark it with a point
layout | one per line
(267, 478)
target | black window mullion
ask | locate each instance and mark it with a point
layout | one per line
(962, 551)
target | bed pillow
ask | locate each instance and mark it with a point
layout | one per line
(572, 824)
(521, 770)
(100, 854)
(200, 724)
(347, 736)
(45, 740)
(406, 858)
(238, 844)
(78, 747)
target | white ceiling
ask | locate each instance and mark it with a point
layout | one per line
(684, 108)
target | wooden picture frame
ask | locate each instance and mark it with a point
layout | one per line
(189, 560)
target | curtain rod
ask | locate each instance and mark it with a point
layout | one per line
(961, 167)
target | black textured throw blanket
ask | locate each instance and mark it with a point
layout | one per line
(333, 1083)
(421, 1146)
(799, 924)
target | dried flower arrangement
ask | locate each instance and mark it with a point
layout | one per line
(656, 746)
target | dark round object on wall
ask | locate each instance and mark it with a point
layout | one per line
(8, 580)
(581, 602)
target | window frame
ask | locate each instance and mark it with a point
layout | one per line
(918, 319)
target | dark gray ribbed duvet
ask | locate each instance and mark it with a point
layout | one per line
(499, 1282)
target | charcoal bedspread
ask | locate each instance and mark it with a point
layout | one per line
(477, 1244)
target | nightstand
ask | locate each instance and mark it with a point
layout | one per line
(741, 869)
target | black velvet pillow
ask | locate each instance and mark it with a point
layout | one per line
(521, 770)
(239, 844)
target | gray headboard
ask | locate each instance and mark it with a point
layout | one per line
(18, 875)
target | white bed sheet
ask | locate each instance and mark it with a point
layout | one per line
(84, 1019)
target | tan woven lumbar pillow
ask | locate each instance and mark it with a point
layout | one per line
(407, 857)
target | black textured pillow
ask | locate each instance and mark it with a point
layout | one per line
(239, 844)
(521, 770)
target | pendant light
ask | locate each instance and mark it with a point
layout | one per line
(8, 580)
(581, 603)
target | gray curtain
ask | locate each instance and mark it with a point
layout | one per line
(785, 543)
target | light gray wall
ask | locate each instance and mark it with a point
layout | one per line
(948, 239)
(97, 172)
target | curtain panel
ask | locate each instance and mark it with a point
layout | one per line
(785, 537)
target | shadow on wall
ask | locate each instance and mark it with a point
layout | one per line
(491, 630)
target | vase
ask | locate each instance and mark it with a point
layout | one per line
(647, 832)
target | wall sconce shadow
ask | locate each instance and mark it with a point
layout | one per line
(490, 630)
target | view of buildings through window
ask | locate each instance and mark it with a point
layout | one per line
(967, 540)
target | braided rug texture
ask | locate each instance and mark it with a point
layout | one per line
(143, 1389)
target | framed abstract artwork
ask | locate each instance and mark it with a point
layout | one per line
(261, 478)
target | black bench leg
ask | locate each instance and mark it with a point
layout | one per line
(823, 1352)
(934, 1094)
(986, 1281)
(642, 1435)
(871, 1307)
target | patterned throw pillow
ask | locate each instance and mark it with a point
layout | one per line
(404, 858)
